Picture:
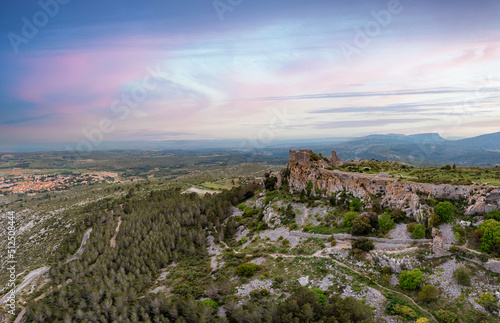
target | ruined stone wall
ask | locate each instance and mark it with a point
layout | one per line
(335, 160)
(302, 157)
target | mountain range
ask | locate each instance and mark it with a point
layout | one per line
(428, 149)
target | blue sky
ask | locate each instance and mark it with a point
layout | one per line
(97, 71)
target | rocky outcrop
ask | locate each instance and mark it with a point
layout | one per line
(393, 193)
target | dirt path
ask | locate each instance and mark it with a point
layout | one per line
(80, 250)
(113, 239)
(321, 254)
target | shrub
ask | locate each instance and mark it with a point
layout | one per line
(462, 276)
(363, 244)
(405, 311)
(241, 206)
(495, 215)
(483, 257)
(321, 295)
(434, 220)
(445, 210)
(259, 293)
(488, 301)
(386, 270)
(248, 212)
(491, 234)
(428, 293)
(386, 222)
(243, 240)
(410, 227)
(445, 316)
(246, 269)
(209, 302)
(422, 320)
(418, 231)
(348, 218)
(361, 226)
(410, 279)
(355, 205)
(314, 157)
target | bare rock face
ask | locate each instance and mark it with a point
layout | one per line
(395, 194)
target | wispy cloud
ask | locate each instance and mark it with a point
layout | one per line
(367, 123)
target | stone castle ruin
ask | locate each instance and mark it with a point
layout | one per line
(401, 195)
(303, 157)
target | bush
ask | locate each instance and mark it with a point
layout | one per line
(418, 231)
(355, 205)
(462, 276)
(488, 301)
(349, 217)
(405, 311)
(445, 316)
(259, 293)
(428, 293)
(422, 320)
(209, 302)
(495, 215)
(248, 212)
(241, 206)
(434, 220)
(410, 227)
(243, 240)
(247, 269)
(321, 295)
(386, 222)
(363, 244)
(445, 210)
(410, 279)
(491, 234)
(483, 257)
(361, 226)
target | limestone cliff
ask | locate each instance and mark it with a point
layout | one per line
(393, 193)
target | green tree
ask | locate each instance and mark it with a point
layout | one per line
(410, 279)
(363, 244)
(446, 316)
(361, 226)
(428, 293)
(418, 231)
(386, 222)
(462, 276)
(246, 269)
(309, 188)
(491, 234)
(349, 217)
(445, 210)
(356, 205)
(495, 215)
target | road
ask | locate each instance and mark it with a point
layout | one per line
(32, 275)
(80, 251)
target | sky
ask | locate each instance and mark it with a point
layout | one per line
(87, 72)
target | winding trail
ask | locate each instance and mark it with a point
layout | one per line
(80, 250)
(34, 274)
(113, 239)
(323, 254)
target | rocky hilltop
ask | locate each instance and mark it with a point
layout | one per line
(402, 195)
